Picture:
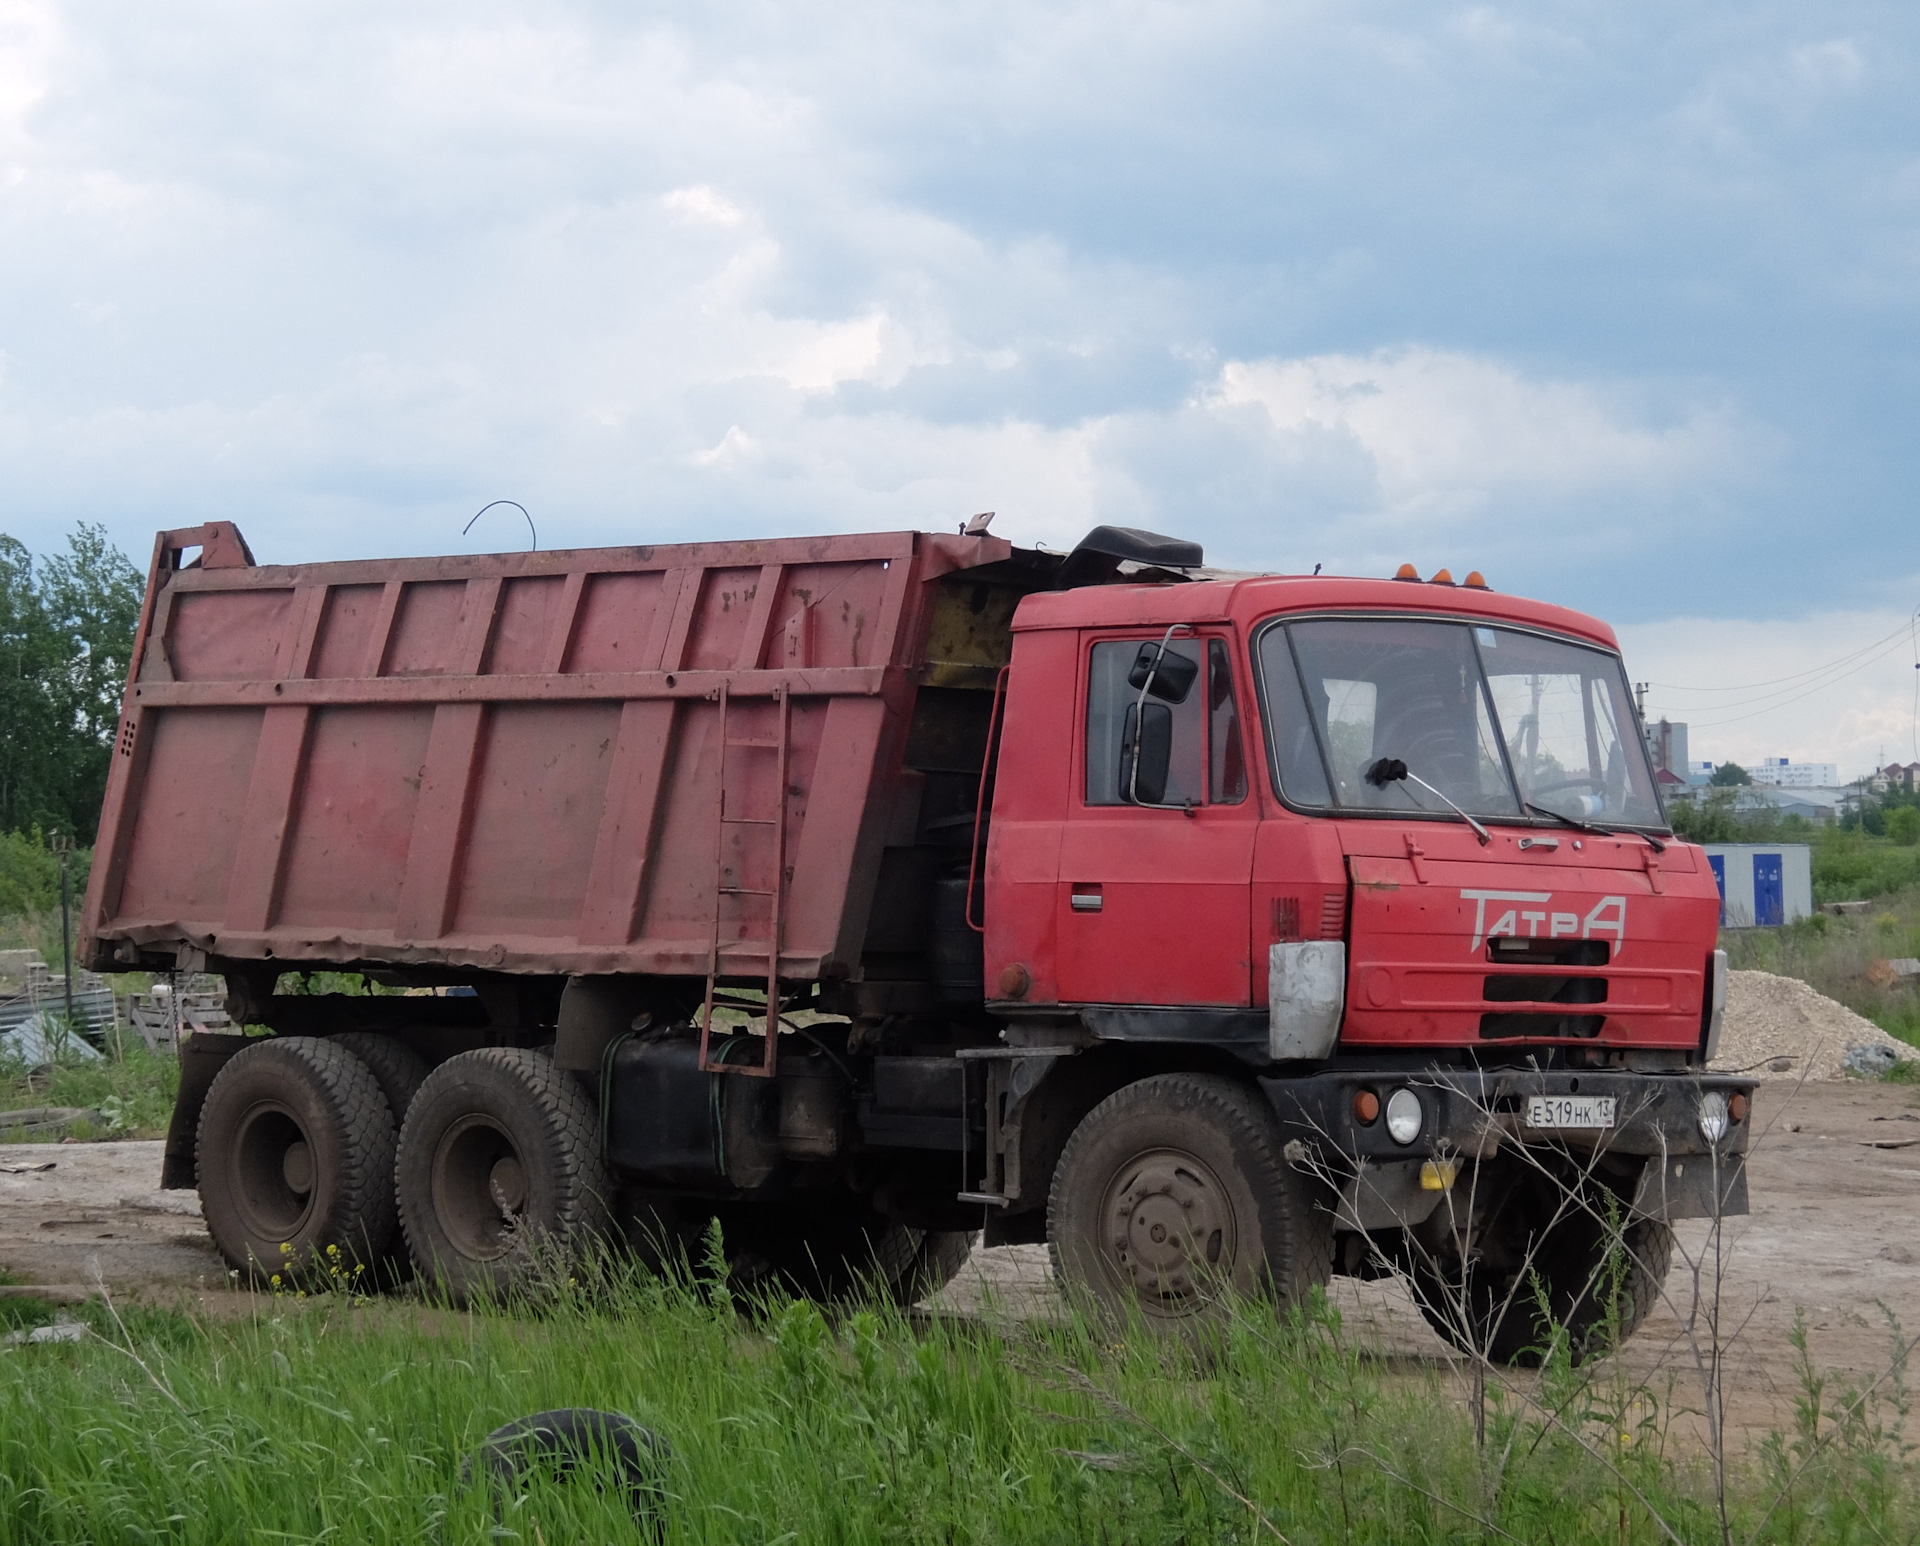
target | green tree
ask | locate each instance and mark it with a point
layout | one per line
(66, 636)
(1729, 774)
(1903, 825)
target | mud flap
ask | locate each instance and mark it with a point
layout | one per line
(202, 1056)
(1684, 1187)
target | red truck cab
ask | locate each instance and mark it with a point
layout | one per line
(1570, 918)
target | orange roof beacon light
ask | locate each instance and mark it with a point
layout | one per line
(1442, 577)
(1406, 572)
(1476, 581)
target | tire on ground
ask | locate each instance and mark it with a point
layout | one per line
(295, 1154)
(1576, 1262)
(399, 1071)
(500, 1174)
(1175, 1189)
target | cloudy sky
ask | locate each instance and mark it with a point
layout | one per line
(1616, 301)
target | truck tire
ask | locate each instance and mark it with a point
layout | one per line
(296, 1150)
(1498, 1314)
(399, 1071)
(396, 1068)
(1172, 1194)
(500, 1171)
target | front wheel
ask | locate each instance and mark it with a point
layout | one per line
(1550, 1265)
(1173, 1195)
(499, 1164)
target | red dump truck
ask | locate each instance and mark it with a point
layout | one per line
(865, 892)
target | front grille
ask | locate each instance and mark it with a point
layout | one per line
(1505, 950)
(1504, 1026)
(1542, 989)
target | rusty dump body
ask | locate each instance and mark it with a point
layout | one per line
(1088, 897)
(513, 763)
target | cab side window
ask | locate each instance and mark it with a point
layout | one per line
(1226, 757)
(1145, 704)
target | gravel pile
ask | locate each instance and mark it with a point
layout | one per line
(1773, 1020)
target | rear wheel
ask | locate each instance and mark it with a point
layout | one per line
(296, 1146)
(499, 1165)
(1172, 1195)
(396, 1068)
(399, 1071)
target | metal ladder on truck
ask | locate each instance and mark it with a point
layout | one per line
(771, 831)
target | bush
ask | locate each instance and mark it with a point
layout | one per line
(30, 874)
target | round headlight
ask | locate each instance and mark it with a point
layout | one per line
(1713, 1116)
(1403, 1115)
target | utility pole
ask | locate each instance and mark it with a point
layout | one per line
(63, 846)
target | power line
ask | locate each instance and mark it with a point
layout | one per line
(1797, 694)
(1795, 677)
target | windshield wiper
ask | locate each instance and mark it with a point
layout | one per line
(1588, 826)
(1390, 770)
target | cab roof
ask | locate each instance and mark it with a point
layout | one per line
(1245, 600)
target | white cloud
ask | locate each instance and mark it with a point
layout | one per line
(1448, 432)
(702, 206)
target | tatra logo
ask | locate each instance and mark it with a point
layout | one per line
(1609, 916)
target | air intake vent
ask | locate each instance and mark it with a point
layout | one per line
(1538, 988)
(1501, 1027)
(1333, 915)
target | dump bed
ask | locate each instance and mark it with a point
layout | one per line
(514, 761)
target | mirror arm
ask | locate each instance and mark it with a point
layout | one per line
(1139, 711)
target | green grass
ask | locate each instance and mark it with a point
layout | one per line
(133, 1087)
(326, 1419)
(1836, 955)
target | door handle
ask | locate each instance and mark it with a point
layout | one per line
(1086, 899)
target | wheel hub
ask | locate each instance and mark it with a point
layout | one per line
(479, 1187)
(296, 1167)
(270, 1172)
(507, 1184)
(1170, 1227)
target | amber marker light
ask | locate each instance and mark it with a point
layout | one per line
(1406, 572)
(1476, 581)
(1442, 577)
(1737, 1108)
(1366, 1106)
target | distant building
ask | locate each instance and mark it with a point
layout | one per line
(1667, 745)
(1782, 774)
(1895, 775)
(1762, 885)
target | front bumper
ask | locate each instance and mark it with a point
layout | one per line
(1470, 1115)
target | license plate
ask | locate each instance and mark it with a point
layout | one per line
(1570, 1110)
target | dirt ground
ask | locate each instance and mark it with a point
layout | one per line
(1835, 1184)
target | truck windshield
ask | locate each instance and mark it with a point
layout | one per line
(1500, 721)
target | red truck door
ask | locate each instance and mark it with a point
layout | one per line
(1153, 898)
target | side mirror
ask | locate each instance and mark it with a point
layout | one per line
(1172, 675)
(1146, 753)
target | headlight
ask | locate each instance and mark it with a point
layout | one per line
(1404, 1115)
(1713, 1116)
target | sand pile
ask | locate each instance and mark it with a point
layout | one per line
(1772, 1018)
